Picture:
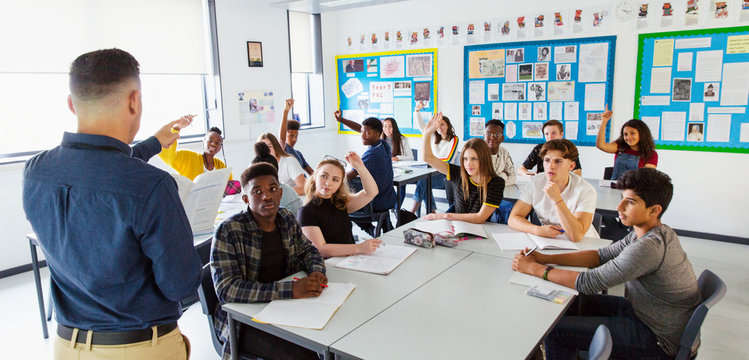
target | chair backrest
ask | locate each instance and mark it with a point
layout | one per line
(608, 172)
(712, 290)
(597, 221)
(600, 346)
(208, 301)
(416, 154)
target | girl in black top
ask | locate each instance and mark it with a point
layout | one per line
(325, 215)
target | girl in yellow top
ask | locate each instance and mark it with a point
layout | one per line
(191, 164)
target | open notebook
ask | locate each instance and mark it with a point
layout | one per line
(310, 313)
(519, 278)
(455, 228)
(383, 261)
(521, 240)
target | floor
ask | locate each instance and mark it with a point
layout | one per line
(724, 332)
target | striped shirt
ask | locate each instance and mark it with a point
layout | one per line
(235, 262)
(494, 192)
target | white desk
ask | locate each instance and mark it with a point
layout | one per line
(490, 247)
(373, 294)
(468, 312)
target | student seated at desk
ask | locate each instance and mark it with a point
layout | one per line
(562, 200)
(494, 134)
(289, 170)
(324, 217)
(400, 150)
(290, 199)
(289, 133)
(252, 251)
(552, 130)
(661, 288)
(443, 144)
(634, 148)
(478, 190)
(191, 164)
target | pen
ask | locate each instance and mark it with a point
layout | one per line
(296, 278)
(532, 250)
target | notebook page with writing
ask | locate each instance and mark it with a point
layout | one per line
(435, 226)
(466, 228)
(310, 313)
(383, 261)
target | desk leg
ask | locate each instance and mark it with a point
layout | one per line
(233, 343)
(327, 355)
(429, 194)
(39, 294)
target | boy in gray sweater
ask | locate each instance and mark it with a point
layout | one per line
(661, 288)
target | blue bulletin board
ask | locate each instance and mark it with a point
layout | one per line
(387, 84)
(525, 84)
(692, 89)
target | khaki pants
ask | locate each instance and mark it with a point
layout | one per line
(171, 346)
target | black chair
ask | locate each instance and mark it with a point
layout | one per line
(415, 153)
(209, 301)
(607, 172)
(712, 289)
(597, 222)
(380, 218)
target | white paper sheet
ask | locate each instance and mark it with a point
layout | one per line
(570, 130)
(572, 110)
(352, 87)
(654, 124)
(565, 54)
(556, 110)
(744, 135)
(684, 61)
(735, 84)
(660, 80)
(674, 125)
(201, 198)
(525, 111)
(310, 313)
(476, 92)
(383, 261)
(519, 278)
(513, 241)
(708, 66)
(718, 127)
(593, 61)
(493, 92)
(595, 96)
(655, 100)
(497, 111)
(381, 92)
(693, 43)
(727, 110)
(511, 73)
(696, 111)
(511, 111)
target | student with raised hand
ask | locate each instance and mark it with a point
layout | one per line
(494, 131)
(552, 129)
(478, 189)
(443, 143)
(289, 133)
(290, 199)
(400, 150)
(634, 148)
(289, 170)
(325, 215)
(190, 163)
(661, 287)
(562, 200)
(250, 254)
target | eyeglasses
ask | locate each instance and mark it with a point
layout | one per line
(331, 157)
(493, 135)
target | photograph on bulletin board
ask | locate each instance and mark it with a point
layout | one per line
(387, 85)
(524, 84)
(692, 89)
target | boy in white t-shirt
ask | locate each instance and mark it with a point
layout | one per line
(562, 200)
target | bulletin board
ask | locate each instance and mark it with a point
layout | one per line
(525, 84)
(387, 84)
(692, 89)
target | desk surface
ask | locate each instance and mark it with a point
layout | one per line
(373, 294)
(415, 174)
(468, 312)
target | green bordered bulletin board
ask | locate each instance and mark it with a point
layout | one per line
(692, 89)
(525, 84)
(387, 84)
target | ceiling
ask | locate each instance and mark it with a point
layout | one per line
(320, 6)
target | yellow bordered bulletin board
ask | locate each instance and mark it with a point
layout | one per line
(387, 84)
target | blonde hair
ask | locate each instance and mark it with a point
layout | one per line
(277, 148)
(485, 171)
(339, 198)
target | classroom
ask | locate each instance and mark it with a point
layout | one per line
(235, 62)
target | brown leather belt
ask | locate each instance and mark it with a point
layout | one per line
(115, 337)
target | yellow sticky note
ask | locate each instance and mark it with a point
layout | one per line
(738, 44)
(663, 52)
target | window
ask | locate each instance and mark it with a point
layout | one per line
(177, 73)
(306, 68)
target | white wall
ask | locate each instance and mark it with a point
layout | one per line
(704, 202)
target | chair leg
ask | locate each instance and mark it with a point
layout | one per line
(50, 305)
(38, 283)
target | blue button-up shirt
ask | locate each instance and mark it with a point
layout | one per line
(117, 241)
(377, 159)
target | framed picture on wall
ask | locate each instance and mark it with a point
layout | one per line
(254, 54)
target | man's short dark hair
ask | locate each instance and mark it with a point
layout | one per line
(292, 125)
(556, 123)
(495, 122)
(97, 74)
(373, 123)
(215, 129)
(258, 169)
(568, 149)
(653, 186)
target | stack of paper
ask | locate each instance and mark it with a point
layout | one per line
(383, 261)
(201, 198)
(521, 240)
(311, 313)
